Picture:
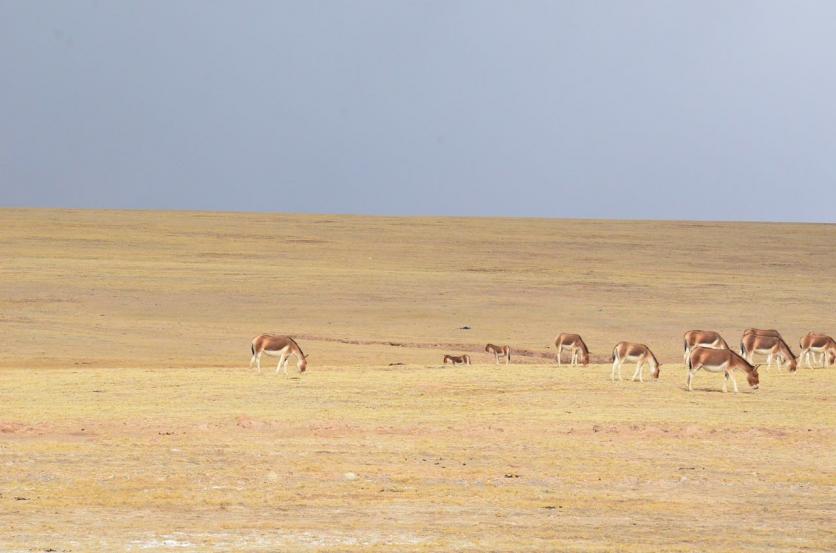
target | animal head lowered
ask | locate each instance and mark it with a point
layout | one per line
(302, 363)
(788, 358)
(753, 378)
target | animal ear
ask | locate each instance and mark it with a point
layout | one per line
(306, 356)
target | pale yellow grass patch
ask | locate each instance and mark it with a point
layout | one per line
(526, 458)
(128, 420)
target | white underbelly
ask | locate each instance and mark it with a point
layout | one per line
(715, 368)
(276, 353)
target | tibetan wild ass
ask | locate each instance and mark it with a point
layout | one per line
(457, 359)
(278, 346)
(504, 351)
(704, 339)
(632, 352)
(721, 360)
(770, 345)
(576, 346)
(814, 344)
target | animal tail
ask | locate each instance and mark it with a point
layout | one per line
(688, 364)
(741, 349)
(612, 357)
(252, 348)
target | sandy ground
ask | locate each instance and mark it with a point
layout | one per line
(129, 421)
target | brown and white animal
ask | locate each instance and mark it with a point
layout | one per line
(457, 359)
(770, 345)
(576, 346)
(504, 351)
(278, 346)
(704, 339)
(763, 332)
(721, 360)
(632, 352)
(813, 344)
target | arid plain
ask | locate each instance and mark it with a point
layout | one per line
(130, 421)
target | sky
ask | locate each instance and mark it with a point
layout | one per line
(706, 110)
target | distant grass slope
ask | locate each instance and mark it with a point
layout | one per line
(168, 289)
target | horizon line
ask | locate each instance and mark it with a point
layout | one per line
(409, 216)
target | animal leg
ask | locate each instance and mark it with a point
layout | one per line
(258, 361)
(725, 382)
(734, 382)
(690, 379)
(612, 372)
(638, 372)
(281, 362)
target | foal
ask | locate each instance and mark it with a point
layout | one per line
(457, 359)
(504, 351)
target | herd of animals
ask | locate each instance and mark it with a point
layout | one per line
(703, 349)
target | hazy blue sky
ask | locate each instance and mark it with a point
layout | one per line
(624, 109)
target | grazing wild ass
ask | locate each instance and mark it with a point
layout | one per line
(703, 339)
(278, 346)
(504, 351)
(763, 332)
(770, 345)
(814, 344)
(457, 359)
(721, 360)
(632, 352)
(576, 346)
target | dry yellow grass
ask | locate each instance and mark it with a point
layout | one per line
(106, 447)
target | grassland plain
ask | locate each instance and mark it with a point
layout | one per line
(106, 447)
